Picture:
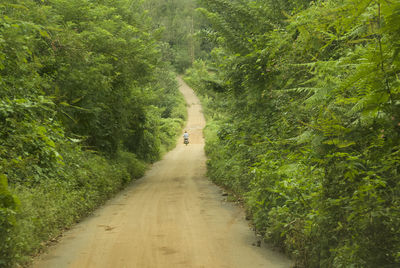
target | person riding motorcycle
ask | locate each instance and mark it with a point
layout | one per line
(186, 138)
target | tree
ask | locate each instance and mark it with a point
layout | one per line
(309, 130)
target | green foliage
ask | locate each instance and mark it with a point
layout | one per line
(86, 181)
(87, 100)
(180, 31)
(304, 103)
(133, 165)
(8, 209)
(28, 140)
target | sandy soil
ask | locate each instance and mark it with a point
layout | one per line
(172, 217)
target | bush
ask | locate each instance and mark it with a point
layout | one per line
(81, 83)
(49, 207)
(8, 209)
(133, 165)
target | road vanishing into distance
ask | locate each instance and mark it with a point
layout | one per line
(172, 217)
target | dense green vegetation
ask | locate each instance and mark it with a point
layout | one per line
(303, 106)
(176, 18)
(86, 100)
(182, 41)
(301, 96)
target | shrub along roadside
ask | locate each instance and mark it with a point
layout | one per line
(86, 102)
(50, 207)
(34, 213)
(311, 129)
(283, 189)
(44, 199)
(54, 198)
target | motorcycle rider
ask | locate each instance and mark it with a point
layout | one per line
(186, 137)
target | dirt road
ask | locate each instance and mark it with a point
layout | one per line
(173, 217)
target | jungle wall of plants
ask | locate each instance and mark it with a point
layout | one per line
(86, 100)
(303, 106)
(182, 40)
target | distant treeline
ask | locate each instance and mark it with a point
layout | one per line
(87, 98)
(303, 106)
(181, 33)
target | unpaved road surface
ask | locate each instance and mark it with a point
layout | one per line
(172, 217)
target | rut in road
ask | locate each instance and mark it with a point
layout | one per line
(172, 217)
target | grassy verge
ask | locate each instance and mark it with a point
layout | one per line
(48, 208)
